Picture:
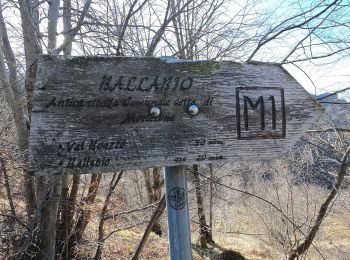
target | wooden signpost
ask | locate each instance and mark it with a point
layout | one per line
(102, 114)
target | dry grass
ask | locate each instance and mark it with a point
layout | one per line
(333, 241)
(241, 223)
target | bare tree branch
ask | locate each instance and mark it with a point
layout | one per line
(302, 248)
(266, 38)
(69, 37)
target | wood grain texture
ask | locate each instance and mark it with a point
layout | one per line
(91, 114)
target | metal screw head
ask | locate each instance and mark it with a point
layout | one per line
(154, 112)
(193, 109)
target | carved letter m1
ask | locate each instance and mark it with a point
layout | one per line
(254, 106)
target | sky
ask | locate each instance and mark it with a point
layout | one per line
(332, 76)
(324, 75)
(329, 79)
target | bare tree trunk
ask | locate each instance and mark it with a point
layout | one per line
(49, 203)
(204, 233)
(67, 24)
(157, 192)
(169, 17)
(69, 37)
(53, 13)
(68, 219)
(4, 85)
(48, 217)
(148, 185)
(157, 184)
(62, 216)
(131, 12)
(154, 192)
(112, 186)
(8, 188)
(301, 249)
(85, 214)
(178, 33)
(32, 49)
(138, 188)
(66, 210)
(18, 109)
(72, 201)
(155, 217)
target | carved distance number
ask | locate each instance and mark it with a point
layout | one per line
(201, 157)
(199, 142)
(202, 142)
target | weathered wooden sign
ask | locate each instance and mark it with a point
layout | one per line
(100, 114)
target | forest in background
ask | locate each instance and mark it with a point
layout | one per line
(292, 208)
